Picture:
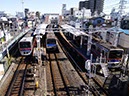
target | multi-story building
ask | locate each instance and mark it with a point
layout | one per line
(20, 14)
(3, 14)
(84, 4)
(93, 5)
(98, 6)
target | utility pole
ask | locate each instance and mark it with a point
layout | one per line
(22, 5)
(83, 17)
(120, 13)
(122, 6)
(121, 10)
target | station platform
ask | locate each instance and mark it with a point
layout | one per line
(13, 37)
(5, 46)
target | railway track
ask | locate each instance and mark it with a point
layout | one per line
(64, 80)
(60, 85)
(97, 86)
(16, 87)
(29, 81)
(91, 87)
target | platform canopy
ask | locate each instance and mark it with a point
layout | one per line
(40, 29)
(73, 30)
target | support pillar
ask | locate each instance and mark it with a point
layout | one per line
(81, 41)
(89, 40)
(73, 37)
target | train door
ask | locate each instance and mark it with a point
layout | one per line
(104, 56)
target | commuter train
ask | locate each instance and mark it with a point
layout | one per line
(51, 41)
(125, 23)
(112, 55)
(27, 44)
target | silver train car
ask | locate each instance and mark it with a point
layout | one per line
(26, 44)
(51, 42)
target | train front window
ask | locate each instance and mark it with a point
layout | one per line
(25, 45)
(125, 24)
(51, 41)
(115, 54)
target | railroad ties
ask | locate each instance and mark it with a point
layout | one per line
(59, 73)
(62, 78)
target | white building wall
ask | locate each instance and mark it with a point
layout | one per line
(84, 13)
(87, 13)
(78, 14)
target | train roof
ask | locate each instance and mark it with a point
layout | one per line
(105, 45)
(50, 32)
(108, 46)
(29, 34)
(51, 35)
(26, 39)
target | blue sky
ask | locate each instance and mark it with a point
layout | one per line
(46, 6)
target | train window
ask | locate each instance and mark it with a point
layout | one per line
(103, 53)
(115, 54)
(51, 41)
(125, 24)
(25, 45)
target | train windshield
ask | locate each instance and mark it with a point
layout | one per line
(125, 24)
(51, 41)
(116, 54)
(25, 45)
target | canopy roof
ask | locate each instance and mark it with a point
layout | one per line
(73, 30)
(40, 29)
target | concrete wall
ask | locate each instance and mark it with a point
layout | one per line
(5, 81)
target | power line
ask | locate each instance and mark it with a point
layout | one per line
(122, 6)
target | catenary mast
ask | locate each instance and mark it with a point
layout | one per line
(121, 10)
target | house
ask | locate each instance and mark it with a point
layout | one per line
(97, 21)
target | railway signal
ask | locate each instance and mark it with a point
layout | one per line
(91, 72)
